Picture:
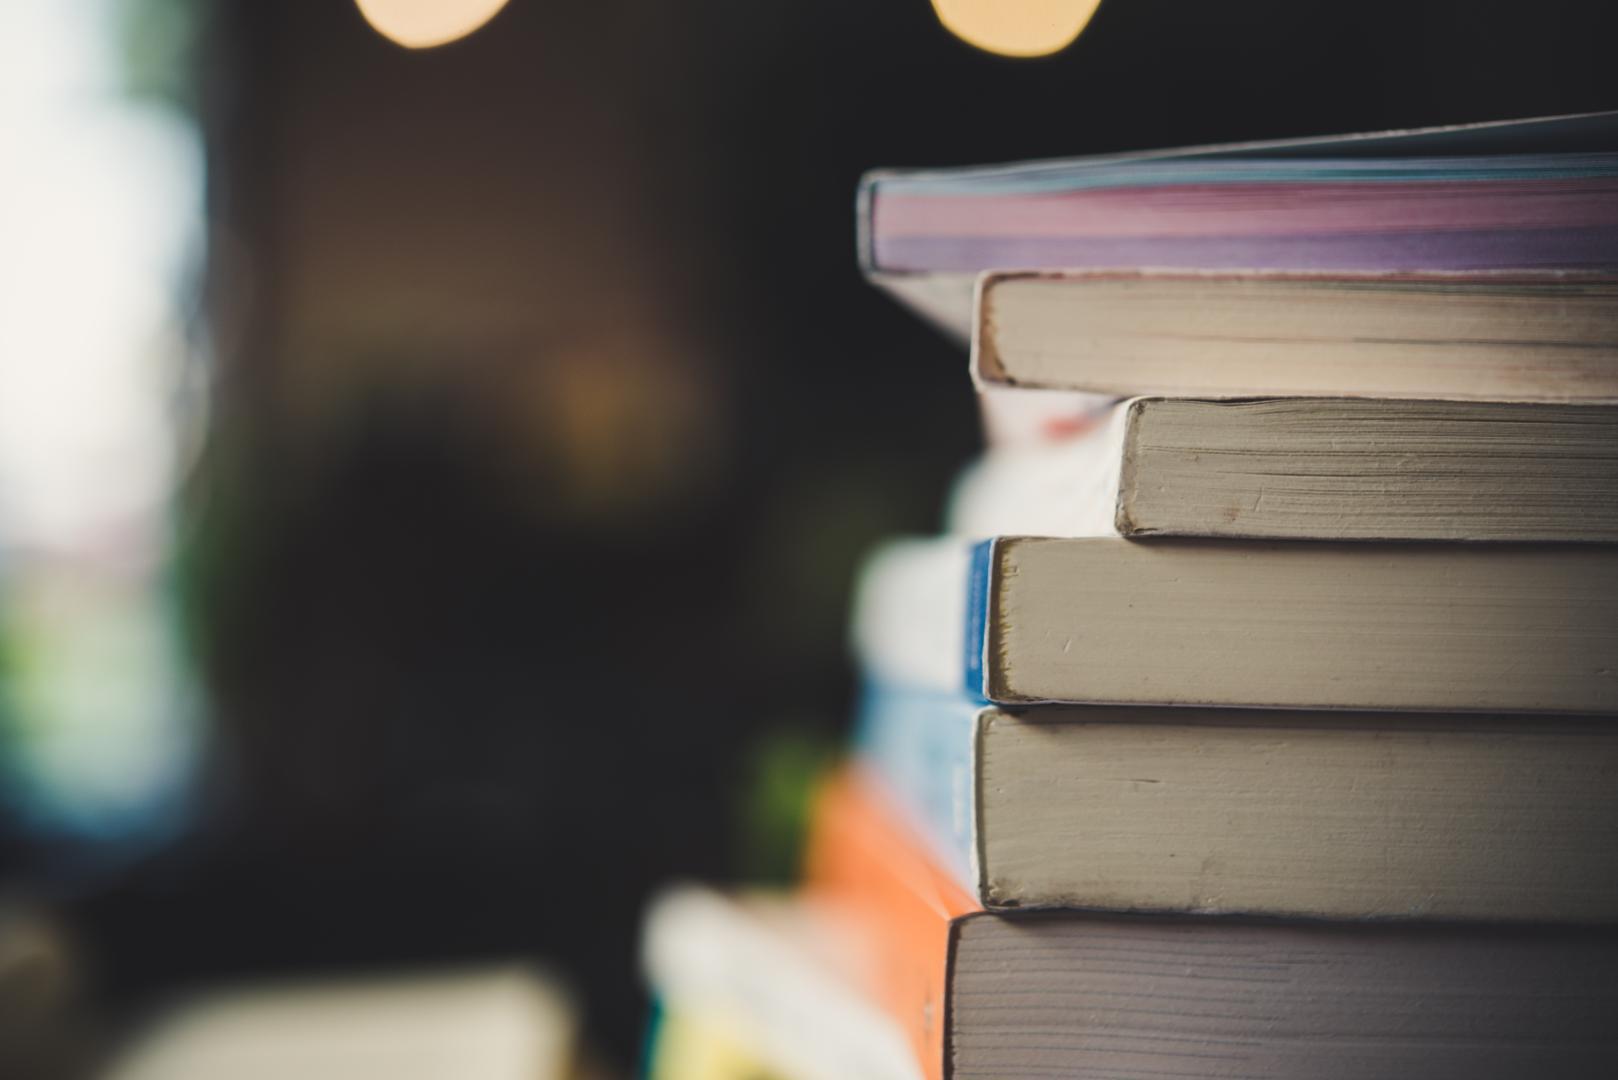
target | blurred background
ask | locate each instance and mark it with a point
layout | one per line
(430, 479)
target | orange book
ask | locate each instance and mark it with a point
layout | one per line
(875, 874)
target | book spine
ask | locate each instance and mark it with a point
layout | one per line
(864, 224)
(920, 745)
(979, 580)
(871, 871)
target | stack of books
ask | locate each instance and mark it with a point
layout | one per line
(1260, 724)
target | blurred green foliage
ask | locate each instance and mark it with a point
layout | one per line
(157, 42)
(783, 771)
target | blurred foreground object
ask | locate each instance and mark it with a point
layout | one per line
(495, 1024)
(762, 979)
(42, 1032)
(691, 1046)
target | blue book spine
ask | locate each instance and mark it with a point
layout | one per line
(979, 574)
(922, 744)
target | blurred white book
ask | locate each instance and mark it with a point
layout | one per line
(503, 1023)
(761, 984)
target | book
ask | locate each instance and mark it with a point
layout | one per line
(494, 1023)
(1308, 468)
(1232, 811)
(1389, 627)
(992, 997)
(1522, 337)
(1514, 195)
(777, 979)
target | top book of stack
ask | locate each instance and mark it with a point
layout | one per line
(1482, 258)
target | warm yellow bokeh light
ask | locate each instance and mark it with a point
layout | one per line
(421, 24)
(1016, 27)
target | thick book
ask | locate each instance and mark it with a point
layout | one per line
(999, 997)
(1308, 469)
(775, 980)
(1377, 627)
(1517, 337)
(1233, 811)
(1518, 195)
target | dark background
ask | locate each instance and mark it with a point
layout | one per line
(552, 416)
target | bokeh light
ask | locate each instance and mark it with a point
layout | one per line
(422, 24)
(1016, 27)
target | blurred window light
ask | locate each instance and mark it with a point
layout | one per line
(422, 24)
(1023, 28)
(100, 203)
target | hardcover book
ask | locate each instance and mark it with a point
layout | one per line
(1515, 195)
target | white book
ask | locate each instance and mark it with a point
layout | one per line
(776, 974)
(506, 1023)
